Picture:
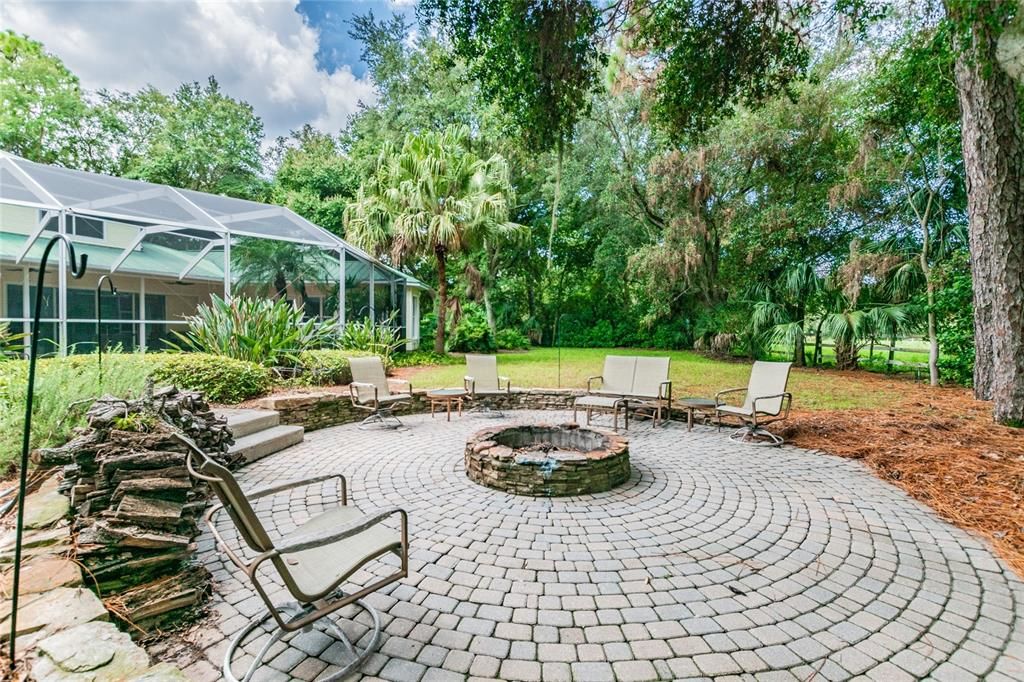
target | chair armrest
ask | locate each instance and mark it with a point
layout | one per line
(508, 383)
(665, 390)
(355, 394)
(787, 400)
(281, 487)
(403, 381)
(312, 540)
(726, 392)
(590, 381)
(469, 383)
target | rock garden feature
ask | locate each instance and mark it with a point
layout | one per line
(133, 504)
(544, 460)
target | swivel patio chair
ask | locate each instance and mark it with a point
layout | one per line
(765, 401)
(483, 383)
(313, 561)
(370, 391)
(651, 394)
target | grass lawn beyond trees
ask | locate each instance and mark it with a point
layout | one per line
(692, 375)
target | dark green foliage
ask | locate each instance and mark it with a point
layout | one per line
(511, 339)
(327, 366)
(756, 52)
(422, 356)
(955, 311)
(471, 334)
(219, 378)
(537, 58)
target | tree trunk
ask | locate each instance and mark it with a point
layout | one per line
(846, 354)
(280, 285)
(489, 310)
(442, 297)
(554, 203)
(799, 352)
(993, 146)
(933, 341)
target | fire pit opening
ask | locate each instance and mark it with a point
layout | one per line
(546, 460)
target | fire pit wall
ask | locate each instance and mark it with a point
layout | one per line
(546, 460)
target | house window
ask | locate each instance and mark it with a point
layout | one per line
(80, 226)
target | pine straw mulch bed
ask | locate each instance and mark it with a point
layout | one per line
(940, 446)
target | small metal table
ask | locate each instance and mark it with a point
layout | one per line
(692, 405)
(446, 396)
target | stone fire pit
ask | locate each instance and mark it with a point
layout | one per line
(546, 460)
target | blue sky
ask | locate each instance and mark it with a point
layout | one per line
(291, 59)
(330, 17)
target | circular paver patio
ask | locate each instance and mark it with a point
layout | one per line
(715, 559)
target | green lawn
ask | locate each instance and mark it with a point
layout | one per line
(692, 375)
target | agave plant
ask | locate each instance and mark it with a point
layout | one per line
(271, 333)
(381, 339)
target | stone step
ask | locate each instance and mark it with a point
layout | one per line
(267, 442)
(244, 423)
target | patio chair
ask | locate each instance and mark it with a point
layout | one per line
(370, 391)
(483, 381)
(765, 401)
(312, 561)
(614, 385)
(652, 389)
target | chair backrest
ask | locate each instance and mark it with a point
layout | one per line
(369, 370)
(484, 370)
(767, 378)
(618, 374)
(649, 375)
(230, 494)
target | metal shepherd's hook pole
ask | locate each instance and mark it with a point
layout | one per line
(77, 270)
(99, 323)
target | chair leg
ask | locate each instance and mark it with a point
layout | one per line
(295, 611)
(755, 435)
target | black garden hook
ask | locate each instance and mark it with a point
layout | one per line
(77, 270)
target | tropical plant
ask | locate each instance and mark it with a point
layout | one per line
(329, 366)
(10, 344)
(431, 198)
(381, 339)
(271, 333)
(472, 334)
(511, 339)
(263, 264)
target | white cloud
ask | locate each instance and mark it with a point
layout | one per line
(261, 52)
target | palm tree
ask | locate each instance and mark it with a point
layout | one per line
(262, 263)
(431, 198)
(782, 311)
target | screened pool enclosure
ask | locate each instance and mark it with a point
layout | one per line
(169, 250)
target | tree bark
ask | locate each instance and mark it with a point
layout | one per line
(993, 146)
(442, 297)
(799, 352)
(489, 310)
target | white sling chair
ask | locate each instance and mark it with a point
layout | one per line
(313, 561)
(765, 401)
(482, 380)
(370, 391)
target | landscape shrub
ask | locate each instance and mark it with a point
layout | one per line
(380, 339)
(269, 332)
(424, 356)
(328, 366)
(471, 335)
(65, 388)
(511, 339)
(221, 379)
